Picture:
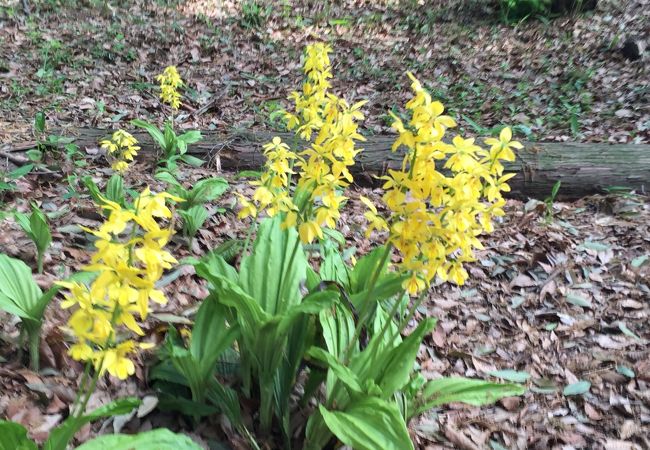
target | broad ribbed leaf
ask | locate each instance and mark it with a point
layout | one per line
(168, 178)
(388, 285)
(389, 366)
(153, 131)
(207, 190)
(214, 265)
(343, 373)
(61, 435)
(149, 440)
(13, 436)
(193, 218)
(338, 330)
(22, 220)
(464, 390)
(273, 272)
(19, 294)
(226, 400)
(115, 189)
(364, 269)
(333, 268)
(190, 137)
(192, 160)
(40, 230)
(311, 304)
(211, 336)
(369, 424)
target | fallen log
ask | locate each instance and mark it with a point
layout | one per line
(583, 168)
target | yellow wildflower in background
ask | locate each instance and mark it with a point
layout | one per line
(128, 268)
(435, 219)
(170, 80)
(123, 147)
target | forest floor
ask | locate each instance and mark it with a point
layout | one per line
(560, 79)
(563, 298)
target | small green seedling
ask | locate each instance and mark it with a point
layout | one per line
(192, 209)
(548, 202)
(174, 146)
(36, 227)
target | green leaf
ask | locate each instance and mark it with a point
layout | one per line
(34, 155)
(169, 402)
(464, 390)
(388, 286)
(578, 300)
(61, 435)
(369, 424)
(214, 265)
(279, 260)
(556, 188)
(207, 190)
(39, 122)
(93, 189)
(20, 171)
(248, 174)
(343, 373)
(511, 375)
(640, 260)
(115, 189)
(338, 330)
(211, 335)
(626, 371)
(153, 131)
(333, 268)
(193, 219)
(19, 294)
(168, 178)
(192, 160)
(160, 439)
(578, 388)
(226, 400)
(394, 369)
(13, 436)
(40, 230)
(23, 221)
(364, 269)
(190, 137)
(626, 331)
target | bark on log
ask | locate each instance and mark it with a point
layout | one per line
(583, 168)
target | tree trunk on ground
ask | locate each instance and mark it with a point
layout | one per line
(583, 168)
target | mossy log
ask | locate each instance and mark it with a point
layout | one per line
(583, 168)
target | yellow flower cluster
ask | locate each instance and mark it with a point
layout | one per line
(123, 147)
(170, 81)
(128, 269)
(324, 165)
(435, 219)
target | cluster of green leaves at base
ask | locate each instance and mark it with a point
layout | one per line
(288, 322)
(13, 436)
(174, 146)
(192, 209)
(37, 229)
